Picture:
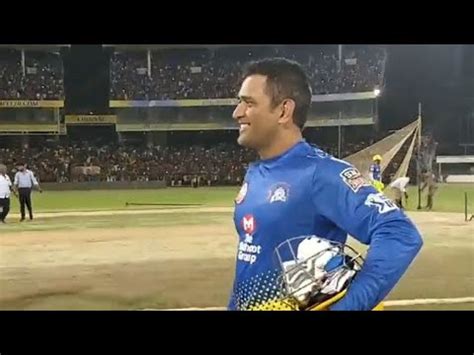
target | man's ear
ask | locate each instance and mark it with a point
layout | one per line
(287, 111)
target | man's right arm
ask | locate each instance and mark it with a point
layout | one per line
(372, 219)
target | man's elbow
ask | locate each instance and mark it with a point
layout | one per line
(403, 237)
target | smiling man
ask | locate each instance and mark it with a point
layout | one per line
(296, 189)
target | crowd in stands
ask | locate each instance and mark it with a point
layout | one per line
(38, 77)
(191, 73)
(222, 164)
(199, 73)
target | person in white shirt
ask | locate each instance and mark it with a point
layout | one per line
(5, 190)
(399, 189)
(24, 182)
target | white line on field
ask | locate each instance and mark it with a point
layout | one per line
(421, 301)
(393, 303)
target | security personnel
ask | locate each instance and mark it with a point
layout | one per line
(24, 182)
(429, 180)
(5, 189)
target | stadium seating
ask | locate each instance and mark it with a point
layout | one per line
(41, 77)
(204, 73)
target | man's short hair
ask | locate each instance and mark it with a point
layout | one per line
(286, 79)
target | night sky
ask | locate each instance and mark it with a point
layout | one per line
(441, 77)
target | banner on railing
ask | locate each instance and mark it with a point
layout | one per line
(31, 103)
(90, 119)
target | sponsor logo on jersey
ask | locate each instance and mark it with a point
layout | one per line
(354, 179)
(248, 252)
(381, 202)
(242, 193)
(279, 193)
(248, 224)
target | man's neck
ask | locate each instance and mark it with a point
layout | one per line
(281, 145)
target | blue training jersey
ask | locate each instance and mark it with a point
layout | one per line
(376, 172)
(308, 192)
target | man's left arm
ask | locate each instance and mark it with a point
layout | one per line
(34, 181)
(373, 219)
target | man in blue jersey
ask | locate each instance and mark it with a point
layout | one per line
(296, 189)
(375, 171)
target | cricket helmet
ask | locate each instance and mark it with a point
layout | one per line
(315, 272)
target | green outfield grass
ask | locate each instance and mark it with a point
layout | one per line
(449, 198)
(50, 201)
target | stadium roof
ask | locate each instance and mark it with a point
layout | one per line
(179, 46)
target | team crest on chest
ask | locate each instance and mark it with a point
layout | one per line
(242, 193)
(279, 193)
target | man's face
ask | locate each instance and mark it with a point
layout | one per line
(258, 122)
(21, 167)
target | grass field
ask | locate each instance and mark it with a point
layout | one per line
(449, 198)
(88, 250)
(116, 199)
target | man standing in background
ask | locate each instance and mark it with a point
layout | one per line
(24, 182)
(375, 171)
(5, 190)
(429, 180)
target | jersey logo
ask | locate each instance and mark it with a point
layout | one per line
(353, 178)
(248, 224)
(242, 193)
(279, 193)
(382, 202)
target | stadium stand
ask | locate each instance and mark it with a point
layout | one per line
(215, 73)
(221, 164)
(172, 74)
(38, 76)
